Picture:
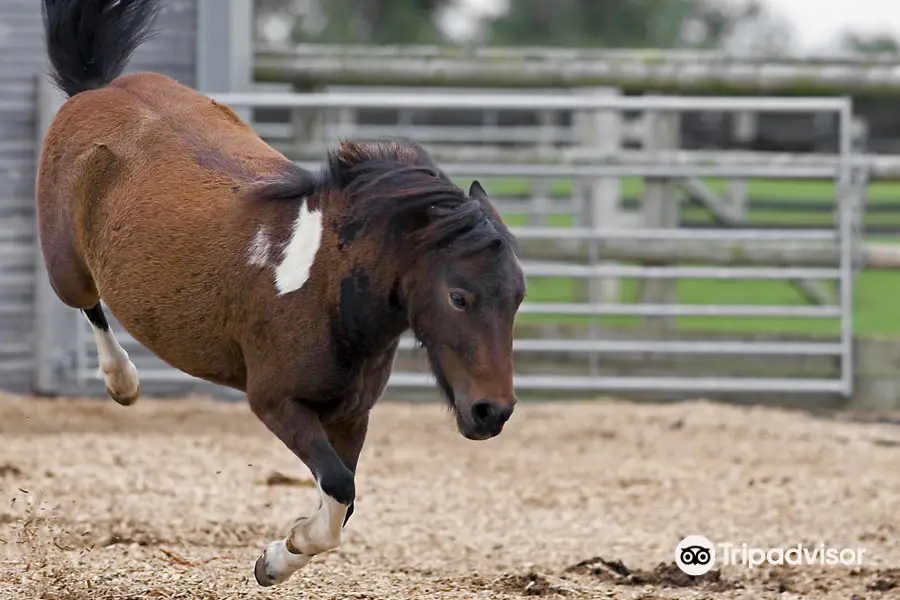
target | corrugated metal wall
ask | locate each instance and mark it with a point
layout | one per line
(21, 62)
(173, 50)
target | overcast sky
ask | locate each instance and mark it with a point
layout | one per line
(816, 23)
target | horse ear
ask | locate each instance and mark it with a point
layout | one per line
(476, 191)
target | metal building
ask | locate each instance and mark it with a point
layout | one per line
(174, 51)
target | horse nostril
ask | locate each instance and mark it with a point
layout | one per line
(484, 413)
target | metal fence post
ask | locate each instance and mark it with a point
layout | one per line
(54, 322)
(847, 234)
(225, 31)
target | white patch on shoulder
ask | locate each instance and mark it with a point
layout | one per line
(259, 249)
(300, 253)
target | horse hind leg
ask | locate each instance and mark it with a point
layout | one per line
(74, 286)
(118, 372)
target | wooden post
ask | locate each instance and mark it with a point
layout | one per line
(661, 204)
(602, 208)
(542, 190)
(735, 199)
(877, 381)
(601, 204)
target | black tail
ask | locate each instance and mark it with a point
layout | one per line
(89, 42)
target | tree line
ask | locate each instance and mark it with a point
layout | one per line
(737, 25)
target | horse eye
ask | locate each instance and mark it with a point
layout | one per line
(458, 300)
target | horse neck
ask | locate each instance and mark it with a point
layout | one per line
(371, 309)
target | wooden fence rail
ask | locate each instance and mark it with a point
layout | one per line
(689, 72)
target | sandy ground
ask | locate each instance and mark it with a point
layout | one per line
(175, 499)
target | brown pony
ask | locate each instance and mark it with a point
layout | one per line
(233, 265)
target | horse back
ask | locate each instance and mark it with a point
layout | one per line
(158, 138)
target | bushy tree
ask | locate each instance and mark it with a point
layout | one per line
(584, 23)
(358, 21)
(631, 23)
(878, 43)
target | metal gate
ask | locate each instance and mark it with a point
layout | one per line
(69, 359)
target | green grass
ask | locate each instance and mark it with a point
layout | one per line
(875, 293)
(773, 188)
(875, 311)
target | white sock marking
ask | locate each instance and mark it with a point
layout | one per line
(280, 563)
(323, 529)
(300, 253)
(316, 534)
(259, 249)
(115, 367)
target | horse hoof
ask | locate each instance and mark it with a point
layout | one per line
(276, 564)
(124, 399)
(122, 382)
(262, 576)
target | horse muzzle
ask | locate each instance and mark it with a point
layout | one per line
(484, 419)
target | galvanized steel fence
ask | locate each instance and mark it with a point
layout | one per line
(68, 358)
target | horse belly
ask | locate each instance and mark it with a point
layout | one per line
(182, 337)
(171, 296)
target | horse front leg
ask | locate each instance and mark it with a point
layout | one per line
(302, 432)
(348, 439)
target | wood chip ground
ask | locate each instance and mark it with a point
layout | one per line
(175, 499)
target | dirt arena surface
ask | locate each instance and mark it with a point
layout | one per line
(175, 499)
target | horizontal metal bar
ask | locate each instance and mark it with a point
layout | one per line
(626, 346)
(676, 234)
(488, 101)
(148, 375)
(721, 171)
(15, 348)
(677, 310)
(16, 310)
(547, 269)
(663, 384)
(16, 367)
(667, 347)
(877, 165)
(16, 280)
(433, 134)
(586, 384)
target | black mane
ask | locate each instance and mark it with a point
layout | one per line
(396, 185)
